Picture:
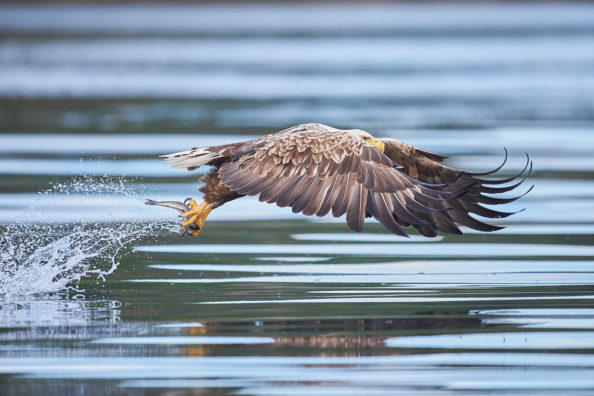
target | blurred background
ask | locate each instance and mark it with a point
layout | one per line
(255, 68)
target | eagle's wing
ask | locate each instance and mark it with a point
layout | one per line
(316, 170)
(426, 167)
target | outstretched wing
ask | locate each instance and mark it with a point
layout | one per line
(317, 169)
(426, 167)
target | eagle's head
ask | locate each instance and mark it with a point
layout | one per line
(366, 136)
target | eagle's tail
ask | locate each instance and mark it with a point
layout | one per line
(192, 159)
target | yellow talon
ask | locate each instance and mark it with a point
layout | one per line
(190, 220)
(196, 209)
(202, 218)
(196, 215)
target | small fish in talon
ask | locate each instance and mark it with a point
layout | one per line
(181, 207)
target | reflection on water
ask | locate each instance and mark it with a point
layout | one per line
(541, 318)
(186, 340)
(56, 311)
(334, 375)
(540, 340)
(266, 302)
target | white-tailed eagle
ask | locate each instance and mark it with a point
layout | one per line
(316, 169)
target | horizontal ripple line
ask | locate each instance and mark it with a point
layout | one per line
(385, 249)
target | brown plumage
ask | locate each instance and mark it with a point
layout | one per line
(317, 169)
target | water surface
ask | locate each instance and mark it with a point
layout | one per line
(101, 297)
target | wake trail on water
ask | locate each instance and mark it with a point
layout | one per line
(37, 258)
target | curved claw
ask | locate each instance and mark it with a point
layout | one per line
(190, 220)
(195, 216)
(196, 209)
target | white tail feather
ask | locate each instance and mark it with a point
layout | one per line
(192, 158)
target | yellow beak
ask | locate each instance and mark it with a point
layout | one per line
(373, 142)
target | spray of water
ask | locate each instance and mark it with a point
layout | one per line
(40, 258)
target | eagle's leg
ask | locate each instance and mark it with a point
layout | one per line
(215, 195)
(196, 215)
(194, 212)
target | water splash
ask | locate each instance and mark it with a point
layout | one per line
(47, 258)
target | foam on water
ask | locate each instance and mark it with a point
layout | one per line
(40, 258)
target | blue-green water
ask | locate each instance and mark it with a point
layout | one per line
(99, 296)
